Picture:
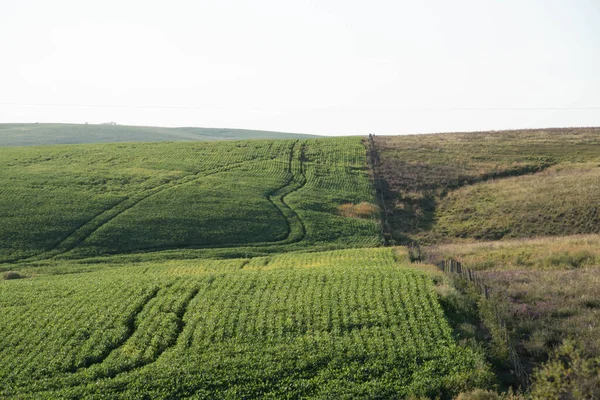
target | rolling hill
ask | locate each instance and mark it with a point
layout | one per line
(44, 134)
(520, 208)
(86, 200)
(257, 268)
(218, 269)
(489, 185)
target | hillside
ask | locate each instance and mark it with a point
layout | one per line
(489, 185)
(520, 209)
(213, 270)
(44, 134)
(85, 200)
(547, 289)
(255, 268)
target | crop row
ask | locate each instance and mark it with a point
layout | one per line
(346, 321)
(97, 199)
(48, 193)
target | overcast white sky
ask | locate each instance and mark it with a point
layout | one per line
(322, 66)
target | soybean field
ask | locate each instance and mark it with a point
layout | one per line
(334, 324)
(86, 200)
(224, 269)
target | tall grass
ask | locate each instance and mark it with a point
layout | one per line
(562, 200)
(547, 289)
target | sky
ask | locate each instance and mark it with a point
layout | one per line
(333, 67)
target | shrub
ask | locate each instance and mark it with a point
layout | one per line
(13, 275)
(568, 375)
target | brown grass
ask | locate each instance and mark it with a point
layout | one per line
(547, 289)
(419, 171)
(544, 253)
(362, 210)
(546, 307)
(562, 200)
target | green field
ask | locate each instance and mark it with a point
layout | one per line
(87, 200)
(337, 324)
(43, 134)
(256, 268)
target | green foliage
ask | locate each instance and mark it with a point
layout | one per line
(86, 200)
(568, 375)
(338, 324)
(43, 134)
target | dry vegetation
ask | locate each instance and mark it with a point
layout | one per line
(546, 253)
(8, 275)
(522, 208)
(362, 210)
(561, 200)
(420, 171)
(547, 289)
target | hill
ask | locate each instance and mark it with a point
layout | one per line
(87, 200)
(489, 185)
(45, 134)
(503, 204)
(213, 270)
(250, 269)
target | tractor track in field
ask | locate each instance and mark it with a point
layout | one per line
(290, 216)
(131, 328)
(281, 198)
(131, 325)
(71, 379)
(84, 231)
(280, 208)
(131, 322)
(179, 329)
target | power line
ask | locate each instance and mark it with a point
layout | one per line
(185, 107)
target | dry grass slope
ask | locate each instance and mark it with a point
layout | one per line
(426, 176)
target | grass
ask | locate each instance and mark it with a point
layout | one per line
(360, 210)
(346, 323)
(422, 177)
(45, 134)
(547, 291)
(546, 253)
(560, 200)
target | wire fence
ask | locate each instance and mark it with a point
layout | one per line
(386, 230)
(456, 268)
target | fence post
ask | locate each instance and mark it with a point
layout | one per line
(453, 266)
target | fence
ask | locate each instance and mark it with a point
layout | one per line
(386, 230)
(456, 268)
